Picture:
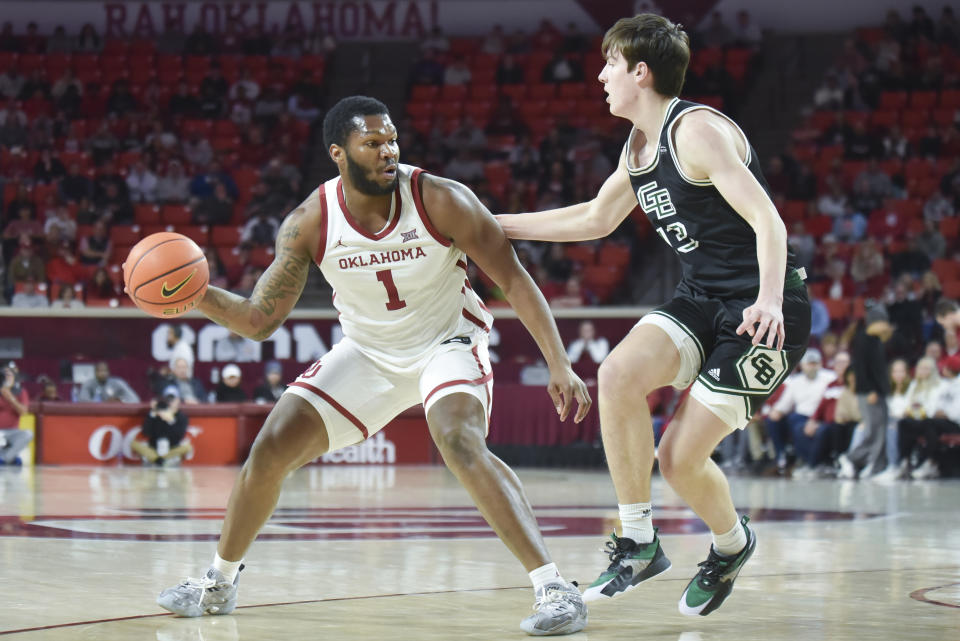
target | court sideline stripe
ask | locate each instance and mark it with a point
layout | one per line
(257, 605)
(919, 593)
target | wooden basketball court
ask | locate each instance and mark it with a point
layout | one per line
(400, 553)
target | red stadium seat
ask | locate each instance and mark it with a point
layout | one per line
(225, 236)
(614, 254)
(245, 178)
(583, 254)
(497, 173)
(449, 109)
(479, 112)
(916, 118)
(463, 46)
(261, 256)
(893, 100)
(943, 116)
(176, 215)
(950, 98)
(923, 99)
(602, 280)
(128, 235)
(29, 62)
(483, 92)
(837, 309)
(819, 225)
(224, 128)
(453, 92)
(516, 92)
(793, 211)
(200, 234)
(573, 90)
(146, 214)
(222, 144)
(918, 168)
(420, 93)
(951, 289)
(906, 207)
(950, 227)
(946, 269)
(542, 92)
(885, 119)
(420, 109)
(485, 76)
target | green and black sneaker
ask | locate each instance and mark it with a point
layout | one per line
(714, 581)
(630, 563)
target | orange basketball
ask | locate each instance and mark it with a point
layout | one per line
(166, 274)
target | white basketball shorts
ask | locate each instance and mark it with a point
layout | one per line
(356, 396)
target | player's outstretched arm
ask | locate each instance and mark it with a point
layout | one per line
(707, 147)
(459, 215)
(277, 290)
(584, 221)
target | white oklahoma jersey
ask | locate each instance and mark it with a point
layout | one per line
(414, 330)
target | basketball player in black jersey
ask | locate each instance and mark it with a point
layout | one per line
(738, 322)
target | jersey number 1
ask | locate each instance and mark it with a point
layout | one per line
(393, 297)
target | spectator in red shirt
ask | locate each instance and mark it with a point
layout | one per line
(64, 268)
(13, 404)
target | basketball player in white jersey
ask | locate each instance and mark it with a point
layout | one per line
(391, 241)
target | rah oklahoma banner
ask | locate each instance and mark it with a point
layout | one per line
(344, 19)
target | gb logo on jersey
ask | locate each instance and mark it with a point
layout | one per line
(761, 369)
(655, 201)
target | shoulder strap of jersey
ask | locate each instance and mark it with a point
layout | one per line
(324, 223)
(415, 188)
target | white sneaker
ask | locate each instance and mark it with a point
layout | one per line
(866, 472)
(847, 470)
(892, 473)
(559, 610)
(927, 470)
(210, 594)
(804, 473)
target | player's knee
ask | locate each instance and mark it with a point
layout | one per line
(618, 377)
(268, 458)
(461, 446)
(673, 463)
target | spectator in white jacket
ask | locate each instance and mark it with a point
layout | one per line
(921, 436)
(801, 396)
(142, 184)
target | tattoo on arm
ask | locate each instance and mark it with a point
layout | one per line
(284, 280)
(274, 295)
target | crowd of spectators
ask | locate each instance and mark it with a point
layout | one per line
(177, 134)
(100, 135)
(520, 118)
(870, 191)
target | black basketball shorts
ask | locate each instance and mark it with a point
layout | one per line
(729, 374)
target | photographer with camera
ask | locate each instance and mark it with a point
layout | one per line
(165, 429)
(13, 404)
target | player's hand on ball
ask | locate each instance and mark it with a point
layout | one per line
(764, 322)
(564, 387)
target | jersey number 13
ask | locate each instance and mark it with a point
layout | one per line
(657, 203)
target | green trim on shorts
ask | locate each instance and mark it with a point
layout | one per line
(713, 387)
(686, 330)
(743, 397)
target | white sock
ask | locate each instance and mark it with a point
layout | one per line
(636, 521)
(545, 574)
(732, 542)
(229, 569)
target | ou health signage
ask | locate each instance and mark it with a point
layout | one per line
(105, 439)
